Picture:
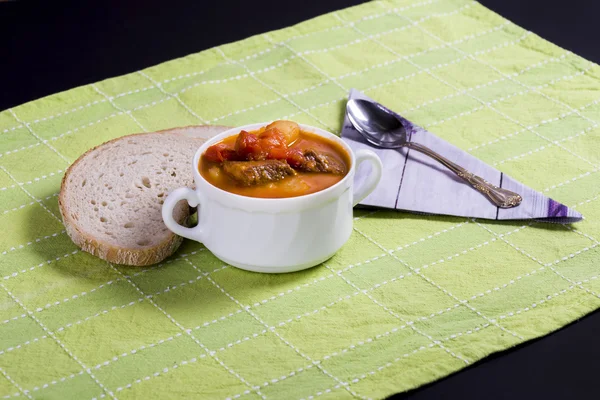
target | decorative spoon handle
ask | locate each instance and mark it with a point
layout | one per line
(502, 198)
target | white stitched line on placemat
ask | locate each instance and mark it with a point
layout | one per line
(272, 330)
(586, 201)
(571, 180)
(593, 239)
(116, 107)
(501, 113)
(458, 254)
(54, 382)
(395, 315)
(249, 73)
(12, 275)
(62, 346)
(269, 102)
(542, 301)
(430, 236)
(49, 212)
(554, 143)
(76, 296)
(36, 136)
(79, 295)
(164, 371)
(252, 74)
(175, 96)
(92, 103)
(549, 265)
(483, 85)
(17, 184)
(394, 30)
(20, 246)
(29, 194)
(85, 126)
(187, 332)
(84, 293)
(431, 282)
(301, 56)
(70, 325)
(397, 60)
(6, 321)
(507, 76)
(27, 204)
(15, 384)
(366, 215)
(306, 314)
(544, 122)
(500, 99)
(365, 18)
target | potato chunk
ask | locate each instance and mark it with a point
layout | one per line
(289, 129)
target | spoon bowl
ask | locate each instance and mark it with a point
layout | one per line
(376, 124)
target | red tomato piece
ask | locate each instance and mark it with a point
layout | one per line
(295, 158)
(219, 153)
(273, 144)
(248, 147)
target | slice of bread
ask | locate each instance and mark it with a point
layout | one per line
(111, 197)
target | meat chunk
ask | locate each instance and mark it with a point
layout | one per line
(249, 173)
(311, 160)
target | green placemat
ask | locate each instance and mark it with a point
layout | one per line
(408, 300)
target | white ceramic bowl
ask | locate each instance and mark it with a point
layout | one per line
(273, 235)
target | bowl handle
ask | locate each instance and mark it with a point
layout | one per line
(195, 233)
(372, 180)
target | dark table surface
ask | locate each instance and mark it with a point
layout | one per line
(51, 47)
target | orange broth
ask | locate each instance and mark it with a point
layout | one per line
(302, 183)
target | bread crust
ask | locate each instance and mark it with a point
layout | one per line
(117, 254)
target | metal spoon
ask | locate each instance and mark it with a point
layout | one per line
(383, 129)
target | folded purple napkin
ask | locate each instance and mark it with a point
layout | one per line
(415, 182)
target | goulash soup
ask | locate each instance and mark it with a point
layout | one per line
(275, 161)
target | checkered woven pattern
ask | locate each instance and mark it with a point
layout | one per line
(407, 300)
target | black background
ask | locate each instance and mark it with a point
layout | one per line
(51, 46)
